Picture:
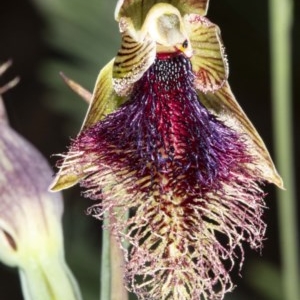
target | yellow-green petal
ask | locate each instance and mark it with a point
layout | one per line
(223, 104)
(104, 101)
(208, 61)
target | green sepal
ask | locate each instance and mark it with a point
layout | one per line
(223, 104)
(104, 101)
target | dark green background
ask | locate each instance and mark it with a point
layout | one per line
(43, 110)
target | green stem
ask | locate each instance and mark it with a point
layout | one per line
(112, 266)
(281, 19)
(118, 290)
(105, 263)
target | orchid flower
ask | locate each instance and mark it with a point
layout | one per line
(165, 138)
(31, 236)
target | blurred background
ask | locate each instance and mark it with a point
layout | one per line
(44, 37)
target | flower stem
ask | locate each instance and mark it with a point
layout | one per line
(281, 18)
(118, 290)
(112, 268)
(105, 263)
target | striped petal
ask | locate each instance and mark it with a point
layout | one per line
(137, 10)
(208, 60)
(132, 60)
(223, 104)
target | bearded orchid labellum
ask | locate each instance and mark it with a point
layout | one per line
(165, 138)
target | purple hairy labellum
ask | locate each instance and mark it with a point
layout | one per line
(185, 175)
(163, 133)
(165, 139)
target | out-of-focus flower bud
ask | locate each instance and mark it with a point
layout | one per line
(31, 236)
